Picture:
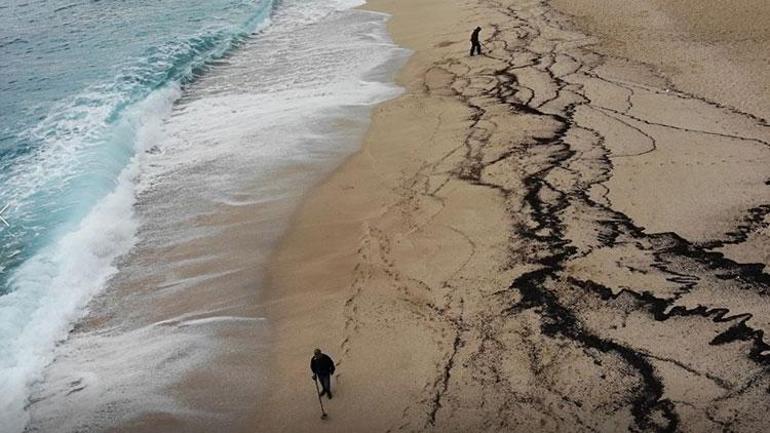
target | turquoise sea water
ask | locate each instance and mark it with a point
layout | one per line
(69, 73)
(80, 84)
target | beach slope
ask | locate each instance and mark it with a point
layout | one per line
(529, 241)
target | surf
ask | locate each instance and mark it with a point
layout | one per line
(70, 181)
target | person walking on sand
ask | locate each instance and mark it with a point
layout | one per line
(475, 44)
(323, 368)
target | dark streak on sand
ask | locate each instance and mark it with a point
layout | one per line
(550, 291)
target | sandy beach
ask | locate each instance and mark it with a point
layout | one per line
(566, 234)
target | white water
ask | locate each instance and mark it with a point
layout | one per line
(55, 284)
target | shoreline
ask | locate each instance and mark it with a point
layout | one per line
(336, 266)
(175, 340)
(474, 267)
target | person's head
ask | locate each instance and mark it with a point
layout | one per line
(478, 29)
(317, 352)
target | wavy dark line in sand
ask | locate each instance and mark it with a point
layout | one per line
(550, 291)
(638, 315)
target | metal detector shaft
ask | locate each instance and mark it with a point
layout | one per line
(318, 391)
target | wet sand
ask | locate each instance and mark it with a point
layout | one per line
(529, 240)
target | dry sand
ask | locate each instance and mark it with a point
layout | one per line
(526, 241)
(714, 49)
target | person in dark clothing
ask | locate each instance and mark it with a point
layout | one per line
(323, 368)
(475, 44)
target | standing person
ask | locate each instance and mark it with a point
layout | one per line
(475, 44)
(323, 368)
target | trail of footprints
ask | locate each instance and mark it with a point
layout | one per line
(617, 329)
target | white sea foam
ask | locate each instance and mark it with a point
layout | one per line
(209, 320)
(52, 287)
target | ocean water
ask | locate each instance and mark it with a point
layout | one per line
(174, 106)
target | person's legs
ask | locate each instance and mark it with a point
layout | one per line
(326, 384)
(473, 47)
(478, 49)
